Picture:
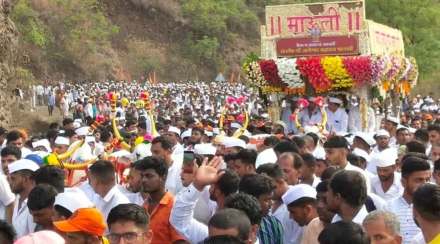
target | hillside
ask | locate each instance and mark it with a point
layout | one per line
(178, 39)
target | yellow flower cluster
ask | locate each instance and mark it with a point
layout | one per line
(254, 77)
(271, 89)
(335, 71)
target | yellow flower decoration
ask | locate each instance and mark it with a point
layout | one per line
(334, 69)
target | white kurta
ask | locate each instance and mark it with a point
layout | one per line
(22, 219)
(307, 120)
(355, 122)
(337, 121)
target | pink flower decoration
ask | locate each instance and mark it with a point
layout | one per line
(240, 118)
(230, 100)
(303, 103)
(148, 137)
(100, 118)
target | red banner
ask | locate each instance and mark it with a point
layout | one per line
(318, 46)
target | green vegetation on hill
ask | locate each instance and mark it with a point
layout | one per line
(92, 39)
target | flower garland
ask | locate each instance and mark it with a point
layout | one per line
(269, 70)
(253, 76)
(288, 72)
(336, 72)
(312, 69)
(359, 69)
(395, 66)
(413, 73)
(378, 65)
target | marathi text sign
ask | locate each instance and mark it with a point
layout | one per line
(305, 19)
(384, 39)
(323, 46)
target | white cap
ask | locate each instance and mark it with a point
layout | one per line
(335, 100)
(141, 151)
(83, 131)
(297, 192)
(42, 143)
(174, 129)
(386, 158)
(78, 121)
(229, 142)
(266, 156)
(393, 119)
(186, 134)
(90, 139)
(209, 133)
(121, 154)
(76, 125)
(205, 149)
(361, 153)
(366, 137)
(73, 200)
(22, 164)
(235, 125)
(216, 131)
(382, 132)
(61, 140)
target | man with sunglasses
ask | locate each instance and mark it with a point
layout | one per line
(129, 222)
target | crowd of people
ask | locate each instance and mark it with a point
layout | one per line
(191, 171)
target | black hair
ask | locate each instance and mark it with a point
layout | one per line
(271, 141)
(69, 133)
(434, 127)
(130, 122)
(129, 212)
(309, 160)
(314, 136)
(426, 201)
(336, 142)
(354, 159)
(11, 150)
(413, 164)
(232, 218)
(322, 186)
(41, 196)
(66, 213)
(286, 146)
(228, 182)
(256, 185)
(415, 146)
(67, 121)
(13, 135)
(244, 138)
(165, 142)
(2, 131)
(51, 175)
(104, 171)
(272, 170)
(343, 232)
(51, 134)
(105, 135)
(155, 163)
(246, 203)
(401, 129)
(299, 141)
(142, 124)
(329, 172)
(437, 164)
(7, 231)
(247, 156)
(222, 239)
(351, 186)
(422, 135)
(415, 154)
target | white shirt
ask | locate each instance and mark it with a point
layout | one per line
(418, 239)
(395, 190)
(173, 183)
(404, 212)
(358, 218)
(113, 198)
(22, 219)
(266, 156)
(337, 121)
(135, 198)
(6, 195)
(292, 231)
(181, 217)
(307, 120)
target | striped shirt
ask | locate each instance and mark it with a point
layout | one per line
(271, 231)
(404, 212)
